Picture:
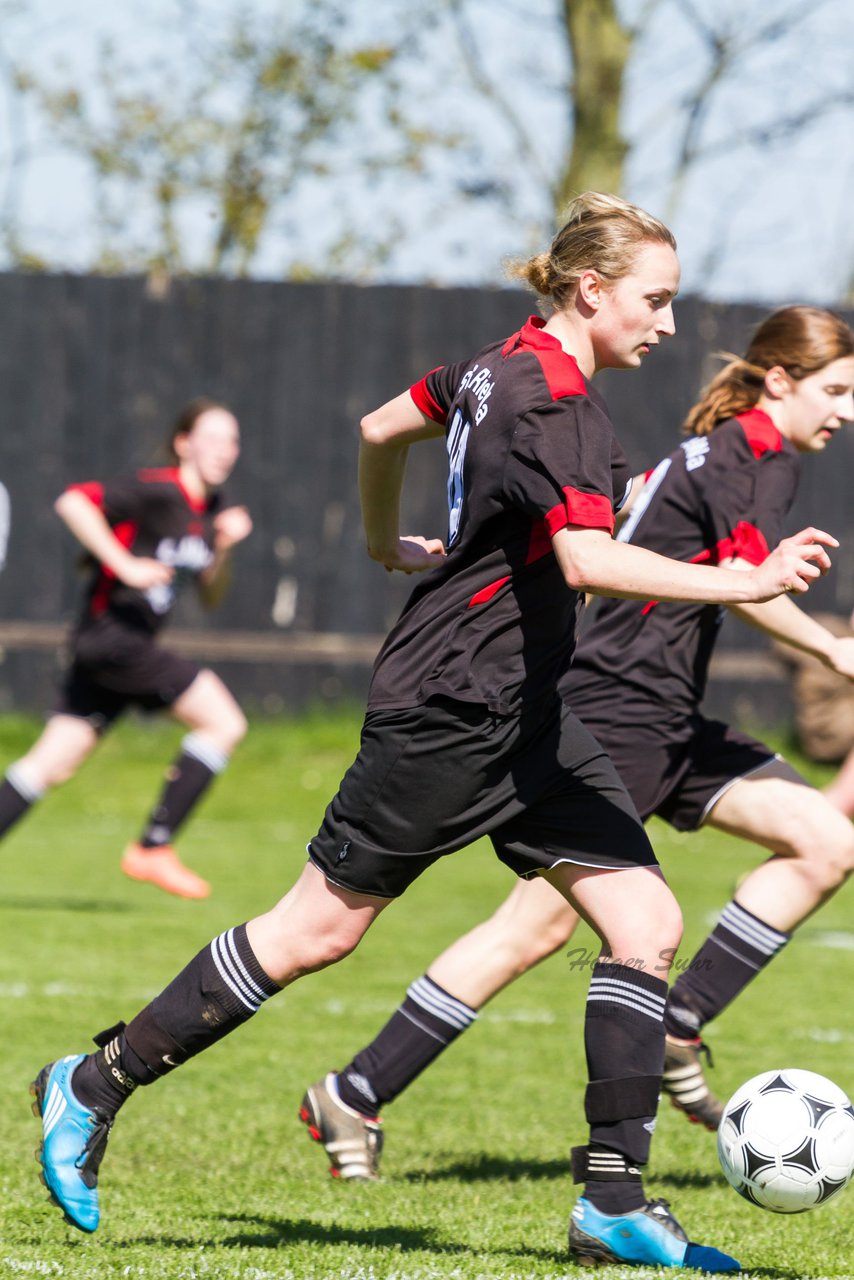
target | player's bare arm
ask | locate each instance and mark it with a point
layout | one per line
(783, 620)
(386, 435)
(231, 527)
(591, 561)
(92, 530)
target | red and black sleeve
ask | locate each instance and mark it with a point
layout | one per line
(434, 392)
(559, 468)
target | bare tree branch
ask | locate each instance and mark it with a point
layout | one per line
(489, 92)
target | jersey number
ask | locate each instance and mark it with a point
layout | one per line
(458, 436)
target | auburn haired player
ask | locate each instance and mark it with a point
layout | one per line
(466, 733)
(146, 535)
(637, 681)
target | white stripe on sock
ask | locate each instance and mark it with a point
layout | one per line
(241, 968)
(205, 751)
(760, 936)
(26, 790)
(426, 994)
(231, 975)
(631, 1004)
(751, 964)
(605, 985)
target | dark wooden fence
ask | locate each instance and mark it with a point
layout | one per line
(92, 371)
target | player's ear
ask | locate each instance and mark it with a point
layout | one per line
(777, 382)
(589, 289)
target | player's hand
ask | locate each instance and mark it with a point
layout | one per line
(230, 527)
(841, 657)
(412, 554)
(794, 564)
(142, 573)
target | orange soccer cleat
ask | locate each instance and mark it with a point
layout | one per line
(162, 867)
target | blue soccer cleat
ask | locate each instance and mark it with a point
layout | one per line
(73, 1145)
(649, 1236)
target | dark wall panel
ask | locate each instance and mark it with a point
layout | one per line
(93, 370)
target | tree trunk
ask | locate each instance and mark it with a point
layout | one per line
(600, 46)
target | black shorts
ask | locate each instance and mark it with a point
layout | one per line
(429, 780)
(114, 667)
(679, 771)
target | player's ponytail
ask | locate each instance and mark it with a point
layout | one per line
(800, 340)
(602, 233)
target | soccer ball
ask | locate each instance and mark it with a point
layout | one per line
(786, 1140)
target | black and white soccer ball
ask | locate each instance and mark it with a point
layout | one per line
(786, 1140)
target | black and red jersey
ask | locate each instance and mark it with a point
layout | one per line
(152, 514)
(531, 450)
(716, 496)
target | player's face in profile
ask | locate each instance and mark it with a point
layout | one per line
(817, 406)
(212, 447)
(637, 311)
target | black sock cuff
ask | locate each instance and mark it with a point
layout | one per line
(443, 1014)
(245, 983)
(758, 934)
(618, 989)
(641, 978)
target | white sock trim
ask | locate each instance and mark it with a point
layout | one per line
(205, 751)
(26, 790)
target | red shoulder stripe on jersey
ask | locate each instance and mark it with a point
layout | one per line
(163, 475)
(592, 510)
(746, 542)
(562, 374)
(92, 489)
(761, 433)
(540, 543)
(427, 404)
(172, 475)
(486, 593)
(125, 533)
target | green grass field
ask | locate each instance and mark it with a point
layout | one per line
(209, 1174)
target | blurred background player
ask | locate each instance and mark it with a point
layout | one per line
(637, 681)
(146, 534)
(465, 732)
(824, 714)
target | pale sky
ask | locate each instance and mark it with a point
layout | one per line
(763, 224)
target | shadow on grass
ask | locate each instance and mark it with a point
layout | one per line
(492, 1169)
(86, 906)
(274, 1233)
(684, 1179)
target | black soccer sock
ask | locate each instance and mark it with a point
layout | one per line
(624, 1041)
(416, 1033)
(222, 987)
(187, 779)
(16, 797)
(739, 946)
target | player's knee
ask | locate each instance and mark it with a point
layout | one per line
(824, 847)
(324, 949)
(665, 935)
(835, 863)
(543, 943)
(237, 727)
